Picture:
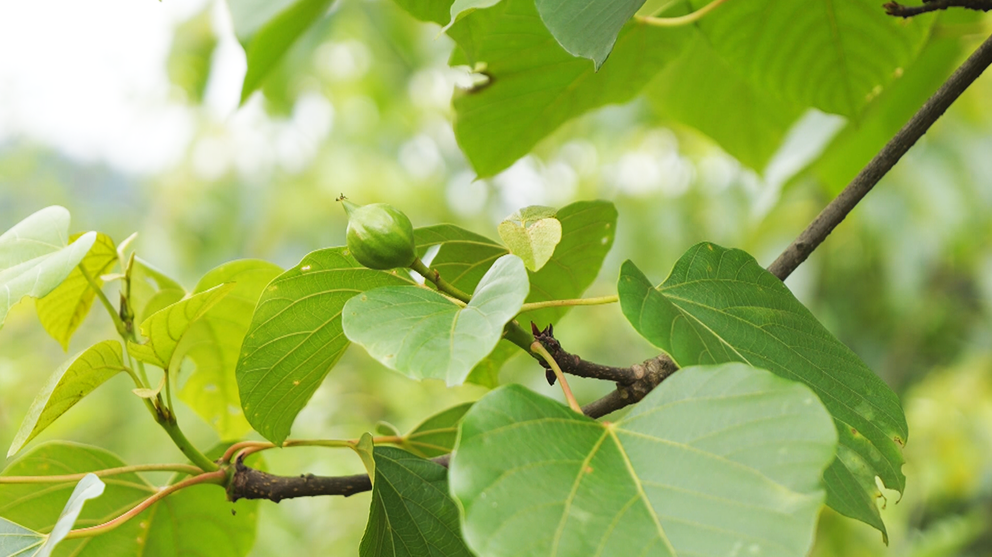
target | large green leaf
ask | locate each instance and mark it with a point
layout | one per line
(266, 30)
(424, 335)
(63, 309)
(716, 461)
(36, 256)
(688, 90)
(719, 305)
(535, 86)
(412, 514)
(165, 329)
(18, 541)
(295, 336)
(835, 55)
(68, 385)
(176, 525)
(587, 28)
(214, 343)
(436, 435)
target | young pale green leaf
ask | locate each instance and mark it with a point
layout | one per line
(435, 436)
(587, 28)
(719, 305)
(536, 86)
(424, 335)
(688, 89)
(62, 310)
(364, 449)
(412, 514)
(177, 525)
(531, 234)
(18, 541)
(214, 341)
(716, 461)
(151, 290)
(833, 55)
(164, 329)
(68, 385)
(90, 487)
(266, 30)
(295, 336)
(36, 256)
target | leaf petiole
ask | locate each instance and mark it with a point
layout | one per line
(181, 468)
(538, 348)
(565, 303)
(216, 477)
(681, 20)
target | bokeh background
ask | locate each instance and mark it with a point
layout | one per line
(126, 112)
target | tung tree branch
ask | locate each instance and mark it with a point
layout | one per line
(898, 10)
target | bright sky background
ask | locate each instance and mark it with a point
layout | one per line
(88, 78)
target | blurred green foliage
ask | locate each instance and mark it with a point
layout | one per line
(361, 105)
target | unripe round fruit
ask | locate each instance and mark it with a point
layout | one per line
(380, 236)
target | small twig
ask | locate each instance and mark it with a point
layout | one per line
(834, 213)
(898, 10)
(574, 365)
(248, 483)
(538, 348)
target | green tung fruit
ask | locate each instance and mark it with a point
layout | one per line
(380, 236)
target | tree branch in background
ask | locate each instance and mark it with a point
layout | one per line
(834, 213)
(898, 10)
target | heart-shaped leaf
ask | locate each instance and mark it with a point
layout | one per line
(36, 256)
(214, 341)
(412, 514)
(716, 461)
(63, 309)
(424, 335)
(68, 385)
(164, 329)
(531, 234)
(295, 336)
(176, 525)
(719, 305)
